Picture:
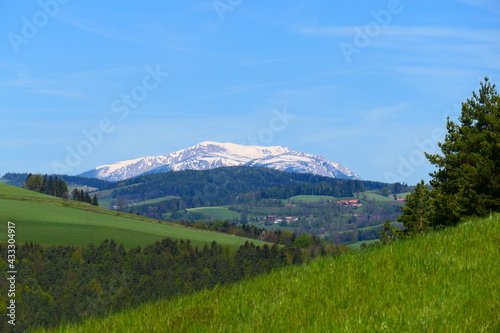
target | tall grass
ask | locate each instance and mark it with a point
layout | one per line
(446, 281)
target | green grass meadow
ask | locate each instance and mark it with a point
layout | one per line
(217, 212)
(153, 201)
(53, 221)
(312, 198)
(223, 213)
(374, 196)
(445, 281)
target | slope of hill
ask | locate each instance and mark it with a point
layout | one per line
(210, 155)
(440, 282)
(48, 220)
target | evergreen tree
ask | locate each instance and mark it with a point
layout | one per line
(388, 233)
(467, 182)
(95, 201)
(61, 187)
(87, 198)
(51, 187)
(417, 211)
(45, 184)
(75, 194)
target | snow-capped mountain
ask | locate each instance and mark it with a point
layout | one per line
(210, 155)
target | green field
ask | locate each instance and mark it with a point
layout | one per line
(444, 281)
(312, 198)
(374, 196)
(48, 220)
(218, 212)
(153, 201)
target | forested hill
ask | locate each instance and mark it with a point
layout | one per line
(228, 184)
(17, 179)
(221, 186)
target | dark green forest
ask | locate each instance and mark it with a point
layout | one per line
(235, 184)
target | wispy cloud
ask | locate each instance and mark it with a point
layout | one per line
(407, 32)
(142, 32)
(490, 5)
(56, 87)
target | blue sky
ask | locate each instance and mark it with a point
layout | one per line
(368, 84)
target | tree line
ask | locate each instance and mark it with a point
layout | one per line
(18, 179)
(80, 195)
(51, 185)
(56, 186)
(67, 284)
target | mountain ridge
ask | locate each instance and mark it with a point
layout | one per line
(210, 155)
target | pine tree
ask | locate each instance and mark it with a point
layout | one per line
(87, 198)
(45, 184)
(417, 211)
(388, 233)
(51, 187)
(61, 187)
(75, 194)
(95, 201)
(467, 182)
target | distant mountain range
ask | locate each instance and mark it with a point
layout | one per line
(210, 155)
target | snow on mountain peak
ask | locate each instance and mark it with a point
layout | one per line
(210, 154)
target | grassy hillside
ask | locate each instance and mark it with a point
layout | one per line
(49, 220)
(441, 282)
